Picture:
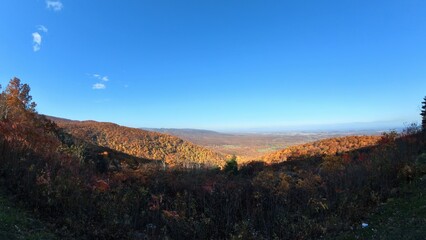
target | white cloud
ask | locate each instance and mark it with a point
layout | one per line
(36, 41)
(55, 5)
(98, 86)
(42, 28)
(100, 77)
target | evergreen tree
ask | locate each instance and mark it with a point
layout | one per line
(231, 165)
(423, 115)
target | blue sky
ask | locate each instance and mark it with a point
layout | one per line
(219, 64)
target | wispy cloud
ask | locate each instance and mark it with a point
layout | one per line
(36, 41)
(100, 77)
(98, 86)
(55, 5)
(42, 28)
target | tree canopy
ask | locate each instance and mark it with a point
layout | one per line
(16, 100)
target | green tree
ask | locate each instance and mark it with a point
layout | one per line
(423, 114)
(231, 165)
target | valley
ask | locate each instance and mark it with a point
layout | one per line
(252, 146)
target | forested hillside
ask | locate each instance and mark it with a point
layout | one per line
(141, 143)
(329, 146)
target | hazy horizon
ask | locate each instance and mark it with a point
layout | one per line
(337, 127)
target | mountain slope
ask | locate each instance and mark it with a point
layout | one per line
(329, 146)
(141, 143)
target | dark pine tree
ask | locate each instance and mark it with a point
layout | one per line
(423, 115)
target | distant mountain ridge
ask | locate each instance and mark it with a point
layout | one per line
(197, 136)
(182, 130)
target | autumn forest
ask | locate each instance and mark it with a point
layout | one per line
(93, 180)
